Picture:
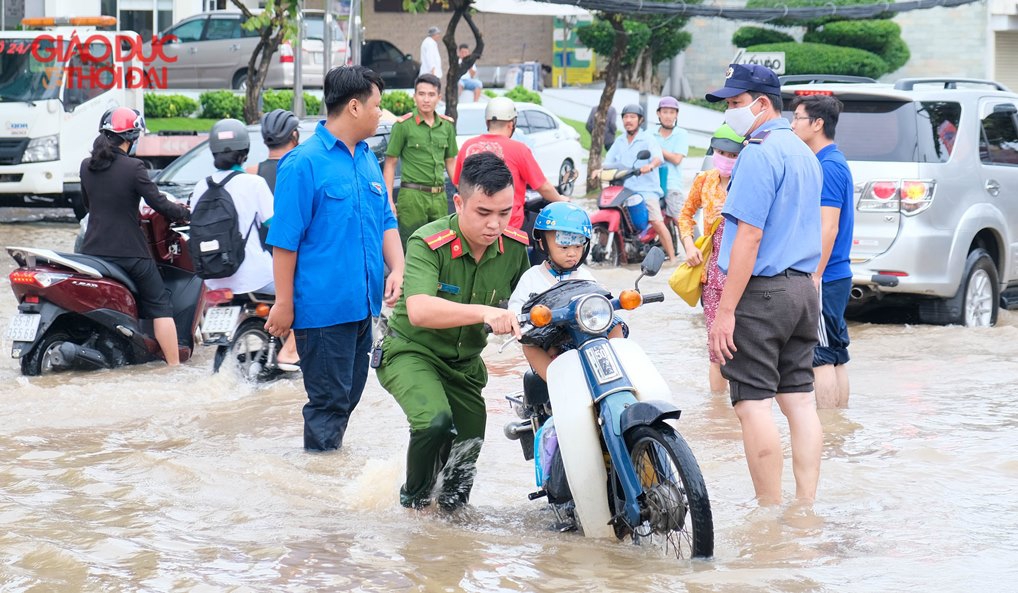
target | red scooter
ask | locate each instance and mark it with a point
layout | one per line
(78, 311)
(621, 232)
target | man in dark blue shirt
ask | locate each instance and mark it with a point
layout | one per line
(815, 119)
(333, 228)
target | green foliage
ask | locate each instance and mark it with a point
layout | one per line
(283, 99)
(747, 36)
(221, 104)
(522, 95)
(815, 58)
(489, 93)
(662, 34)
(269, 19)
(814, 22)
(169, 105)
(178, 124)
(398, 102)
(600, 37)
(896, 54)
(701, 102)
(881, 37)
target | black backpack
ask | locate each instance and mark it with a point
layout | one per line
(215, 243)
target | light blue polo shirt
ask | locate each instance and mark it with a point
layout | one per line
(776, 187)
(622, 155)
(677, 141)
(331, 207)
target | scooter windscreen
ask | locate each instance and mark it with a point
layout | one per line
(556, 297)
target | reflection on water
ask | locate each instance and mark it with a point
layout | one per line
(151, 479)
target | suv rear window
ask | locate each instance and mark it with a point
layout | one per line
(898, 131)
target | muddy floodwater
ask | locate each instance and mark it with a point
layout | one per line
(150, 479)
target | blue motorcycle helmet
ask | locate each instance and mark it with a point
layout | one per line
(572, 227)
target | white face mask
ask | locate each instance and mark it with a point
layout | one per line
(741, 119)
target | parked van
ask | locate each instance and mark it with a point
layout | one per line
(52, 100)
(212, 51)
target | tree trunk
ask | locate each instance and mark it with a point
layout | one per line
(456, 70)
(611, 78)
(262, 55)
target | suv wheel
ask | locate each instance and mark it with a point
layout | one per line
(977, 301)
(240, 80)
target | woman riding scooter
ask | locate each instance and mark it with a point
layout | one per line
(112, 182)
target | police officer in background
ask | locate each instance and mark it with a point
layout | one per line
(425, 142)
(765, 329)
(459, 270)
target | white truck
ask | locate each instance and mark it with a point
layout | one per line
(55, 84)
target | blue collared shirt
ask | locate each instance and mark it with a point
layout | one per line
(677, 141)
(331, 207)
(622, 155)
(776, 187)
(838, 192)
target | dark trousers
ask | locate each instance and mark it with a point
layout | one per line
(833, 333)
(334, 362)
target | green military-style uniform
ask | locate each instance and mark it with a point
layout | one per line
(436, 375)
(423, 150)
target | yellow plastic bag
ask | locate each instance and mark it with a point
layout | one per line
(687, 281)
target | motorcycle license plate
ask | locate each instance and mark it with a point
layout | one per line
(24, 327)
(603, 362)
(220, 320)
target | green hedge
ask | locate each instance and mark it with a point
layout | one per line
(221, 104)
(747, 36)
(702, 102)
(398, 102)
(522, 95)
(283, 99)
(815, 58)
(814, 22)
(169, 105)
(896, 55)
(872, 35)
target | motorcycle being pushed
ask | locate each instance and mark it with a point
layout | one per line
(604, 454)
(621, 231)
(235, 325)
(79, 311)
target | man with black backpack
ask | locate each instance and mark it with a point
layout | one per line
(229, 218)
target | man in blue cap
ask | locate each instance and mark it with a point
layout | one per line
(766, 325)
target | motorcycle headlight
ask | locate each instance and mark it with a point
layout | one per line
(45, 148)
(594, 314)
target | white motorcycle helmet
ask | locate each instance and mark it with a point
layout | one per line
(500, 109)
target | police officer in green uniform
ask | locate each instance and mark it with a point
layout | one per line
(426, 143)
(459, 269)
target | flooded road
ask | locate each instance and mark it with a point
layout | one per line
(147, 479)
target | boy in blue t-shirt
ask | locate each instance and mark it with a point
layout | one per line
(814, 121)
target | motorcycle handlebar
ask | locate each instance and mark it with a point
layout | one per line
(654, 297)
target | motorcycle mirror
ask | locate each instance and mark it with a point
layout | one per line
(653, 261)
(643, 155)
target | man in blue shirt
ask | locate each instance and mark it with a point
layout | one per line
(766, 325)
(333, 228)
(815, 118)
(623, 155)
(674, 143)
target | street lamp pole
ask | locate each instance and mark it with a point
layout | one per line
(298, 60)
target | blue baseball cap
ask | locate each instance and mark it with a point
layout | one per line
(742, 78)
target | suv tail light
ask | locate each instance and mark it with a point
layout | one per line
(36, 278)
(908, 196)
(285, 53)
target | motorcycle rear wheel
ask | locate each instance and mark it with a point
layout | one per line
(676, 509)
(250, 349)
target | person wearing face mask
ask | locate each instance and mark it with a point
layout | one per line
(709, 191)
(765, 329)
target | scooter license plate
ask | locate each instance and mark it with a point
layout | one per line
(220, 320)
(23, 327)
(603, 362)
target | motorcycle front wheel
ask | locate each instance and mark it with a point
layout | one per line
(675, 508)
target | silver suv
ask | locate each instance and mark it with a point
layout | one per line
(935, 165)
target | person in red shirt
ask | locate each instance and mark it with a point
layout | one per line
(500, 115)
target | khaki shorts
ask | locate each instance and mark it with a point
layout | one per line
(653, 202)
(674, 201)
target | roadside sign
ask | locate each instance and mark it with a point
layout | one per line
(775, 60)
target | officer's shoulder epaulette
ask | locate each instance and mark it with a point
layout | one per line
(516, 235)
(759, 139)
(405, 117)
(446, 117)
(443, 237)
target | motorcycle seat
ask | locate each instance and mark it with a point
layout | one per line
(107, 269)
(535, 390)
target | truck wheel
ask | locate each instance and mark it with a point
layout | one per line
(977, 301)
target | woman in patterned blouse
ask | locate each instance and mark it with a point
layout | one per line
(709, 192)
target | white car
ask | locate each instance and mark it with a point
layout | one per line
(556, 146)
